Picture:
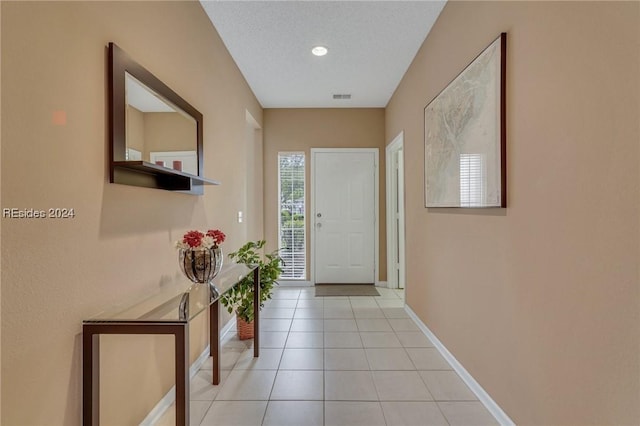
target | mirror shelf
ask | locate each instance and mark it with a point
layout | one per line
(162, 177)
(148, 119)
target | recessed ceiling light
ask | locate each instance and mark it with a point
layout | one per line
(319, 50)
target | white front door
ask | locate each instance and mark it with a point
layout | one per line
(344, 210)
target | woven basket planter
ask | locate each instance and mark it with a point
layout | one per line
(245, 329)
(201, 265)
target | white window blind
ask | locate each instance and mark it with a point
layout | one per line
(292, 215)
(472, 180)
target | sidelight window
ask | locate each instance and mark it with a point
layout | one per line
(291, 195)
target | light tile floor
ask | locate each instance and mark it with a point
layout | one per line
(333, 361)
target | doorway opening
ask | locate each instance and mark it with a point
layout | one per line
(252, 215)
(395, 213)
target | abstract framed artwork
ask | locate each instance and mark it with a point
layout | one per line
(465, 136)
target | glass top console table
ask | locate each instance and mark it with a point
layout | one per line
(167, 312)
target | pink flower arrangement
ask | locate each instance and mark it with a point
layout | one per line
(197, 239)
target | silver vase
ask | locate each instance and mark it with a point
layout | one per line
(201, 265)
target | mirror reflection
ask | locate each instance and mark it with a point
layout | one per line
(157, 131)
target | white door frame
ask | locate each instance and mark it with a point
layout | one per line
(395, 239)
(312, 211)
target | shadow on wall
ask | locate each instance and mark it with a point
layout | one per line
(130, 210)
(71, 412)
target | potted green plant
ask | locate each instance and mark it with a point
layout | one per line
(240, 298)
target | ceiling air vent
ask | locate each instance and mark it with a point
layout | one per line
(342, 96)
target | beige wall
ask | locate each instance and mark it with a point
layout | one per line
(169, 131)
(135, 129)
(303, 129)
(0, 225)
(120, 244)
(149, 132)
(538, 301)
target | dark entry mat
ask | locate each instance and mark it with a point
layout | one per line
(326, 290)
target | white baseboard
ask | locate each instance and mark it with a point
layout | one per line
(163, 405)
(230, 325)
(475, 387)
(295, 283)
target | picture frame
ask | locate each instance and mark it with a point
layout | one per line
(465, 136)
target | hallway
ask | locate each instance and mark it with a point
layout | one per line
(333, 361)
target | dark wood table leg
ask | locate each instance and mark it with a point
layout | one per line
(256, 312)
(214, 340)
(181, 334)
(90, 377)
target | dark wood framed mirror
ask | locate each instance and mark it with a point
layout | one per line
(156, 137)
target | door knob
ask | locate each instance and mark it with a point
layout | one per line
(319, 215)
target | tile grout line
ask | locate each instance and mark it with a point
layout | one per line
(266, 409)
(324, 369)
(393, 332)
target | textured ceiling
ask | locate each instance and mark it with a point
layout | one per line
(371, 44)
